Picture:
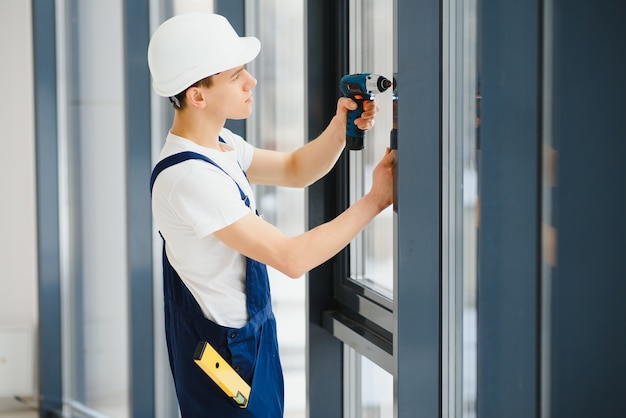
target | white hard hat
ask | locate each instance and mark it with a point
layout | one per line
(189, 47)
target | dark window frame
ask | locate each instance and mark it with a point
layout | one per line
(336, 304)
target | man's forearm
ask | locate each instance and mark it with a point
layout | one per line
(315, 159)
(319, 244)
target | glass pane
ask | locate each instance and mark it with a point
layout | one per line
(368, 389)
(470, 128)
(371, 253)
(277, 123)
(93, 208)
(460, 123)
(376, 391)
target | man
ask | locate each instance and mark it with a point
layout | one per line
(216, 246)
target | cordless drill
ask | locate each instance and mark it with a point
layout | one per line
(360, 87)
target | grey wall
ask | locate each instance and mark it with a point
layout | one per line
(17, 167)
(18, 252)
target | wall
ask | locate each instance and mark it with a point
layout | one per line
(18, 281)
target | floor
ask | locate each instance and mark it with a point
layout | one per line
(19, 414)
(10, 408)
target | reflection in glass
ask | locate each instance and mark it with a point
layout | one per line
(460, 206)
(549, 236)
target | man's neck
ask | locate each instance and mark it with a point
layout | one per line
(201, 131)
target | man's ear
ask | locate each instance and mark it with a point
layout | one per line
(195, 97)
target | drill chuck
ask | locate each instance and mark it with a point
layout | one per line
(383, 84)
(360, 87)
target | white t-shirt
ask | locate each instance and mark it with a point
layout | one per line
(190, 201)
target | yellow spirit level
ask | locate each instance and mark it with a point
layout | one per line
(222, 373)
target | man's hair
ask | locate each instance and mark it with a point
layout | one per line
(180, 100)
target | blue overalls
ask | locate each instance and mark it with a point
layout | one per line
(251, 350)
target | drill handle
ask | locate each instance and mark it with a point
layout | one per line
(354, 135)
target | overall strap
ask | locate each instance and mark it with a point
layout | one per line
(190, 155)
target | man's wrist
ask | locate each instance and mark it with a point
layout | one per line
(338, 130)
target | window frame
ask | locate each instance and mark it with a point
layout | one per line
(412, 322)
